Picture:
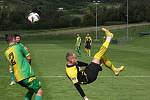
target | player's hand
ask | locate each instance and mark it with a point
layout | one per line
(85, 98)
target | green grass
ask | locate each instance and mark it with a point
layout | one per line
(48, 59)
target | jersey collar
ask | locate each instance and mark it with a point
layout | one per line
(69, 65)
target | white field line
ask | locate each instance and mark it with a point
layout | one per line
(63, 76)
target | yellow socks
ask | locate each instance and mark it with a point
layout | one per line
(108, 63)
(105, 45)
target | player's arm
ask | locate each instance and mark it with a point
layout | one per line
(73, 77)
(76, 43)
(80, 90)
(80, 40)
(85, 41)
(77, 86)
(26, 53)
(29, 59)
(91, 40)
(29, 56)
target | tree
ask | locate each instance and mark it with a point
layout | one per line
(76, 21)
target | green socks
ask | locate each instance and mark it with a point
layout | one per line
(38, 97)
(29, 95)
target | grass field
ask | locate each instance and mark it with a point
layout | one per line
(48, 61)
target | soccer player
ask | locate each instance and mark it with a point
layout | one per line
(82, 73)
(78, 45)
(88, 43)
(12, 78)
(18, 41)
(18, 57)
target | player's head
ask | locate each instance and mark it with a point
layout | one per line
(78, 34)
(88, 34)
(10, 38)
(71, 57)
(18, 38)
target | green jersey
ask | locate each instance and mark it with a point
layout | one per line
(78, 41)
(21, 44)
(16, 55)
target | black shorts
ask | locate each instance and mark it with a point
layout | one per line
(88, 46)
(92, 71)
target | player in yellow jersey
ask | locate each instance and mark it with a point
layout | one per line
(83, 73)
(87, 44)
(18, 57)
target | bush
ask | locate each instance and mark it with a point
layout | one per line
(76, 21)
(88, 20)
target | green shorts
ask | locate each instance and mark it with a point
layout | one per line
(32, 84)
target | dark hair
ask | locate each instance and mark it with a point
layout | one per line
(9, 38)
(17, 35)
(69, 54)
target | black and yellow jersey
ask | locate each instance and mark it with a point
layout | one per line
(88, 39)
(76, 72)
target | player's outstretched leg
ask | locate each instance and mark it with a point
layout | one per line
(93, 69)
(109, 64)
(104, 47)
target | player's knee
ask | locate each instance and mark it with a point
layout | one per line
(40, 92)
(96, 61)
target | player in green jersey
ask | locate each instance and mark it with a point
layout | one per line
(18, 40)
(18, 57)
(12, 78)
(78, 45)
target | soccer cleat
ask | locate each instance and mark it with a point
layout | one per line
(12, 83)
(118, 70)
(107, 32)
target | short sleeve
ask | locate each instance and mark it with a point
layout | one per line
(25, 51)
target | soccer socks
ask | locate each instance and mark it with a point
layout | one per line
(108, 63)
(79, 51)
(38, 97)
(105, 45)
(102, 50)
(29, 95)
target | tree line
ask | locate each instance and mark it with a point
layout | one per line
(13, 15)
